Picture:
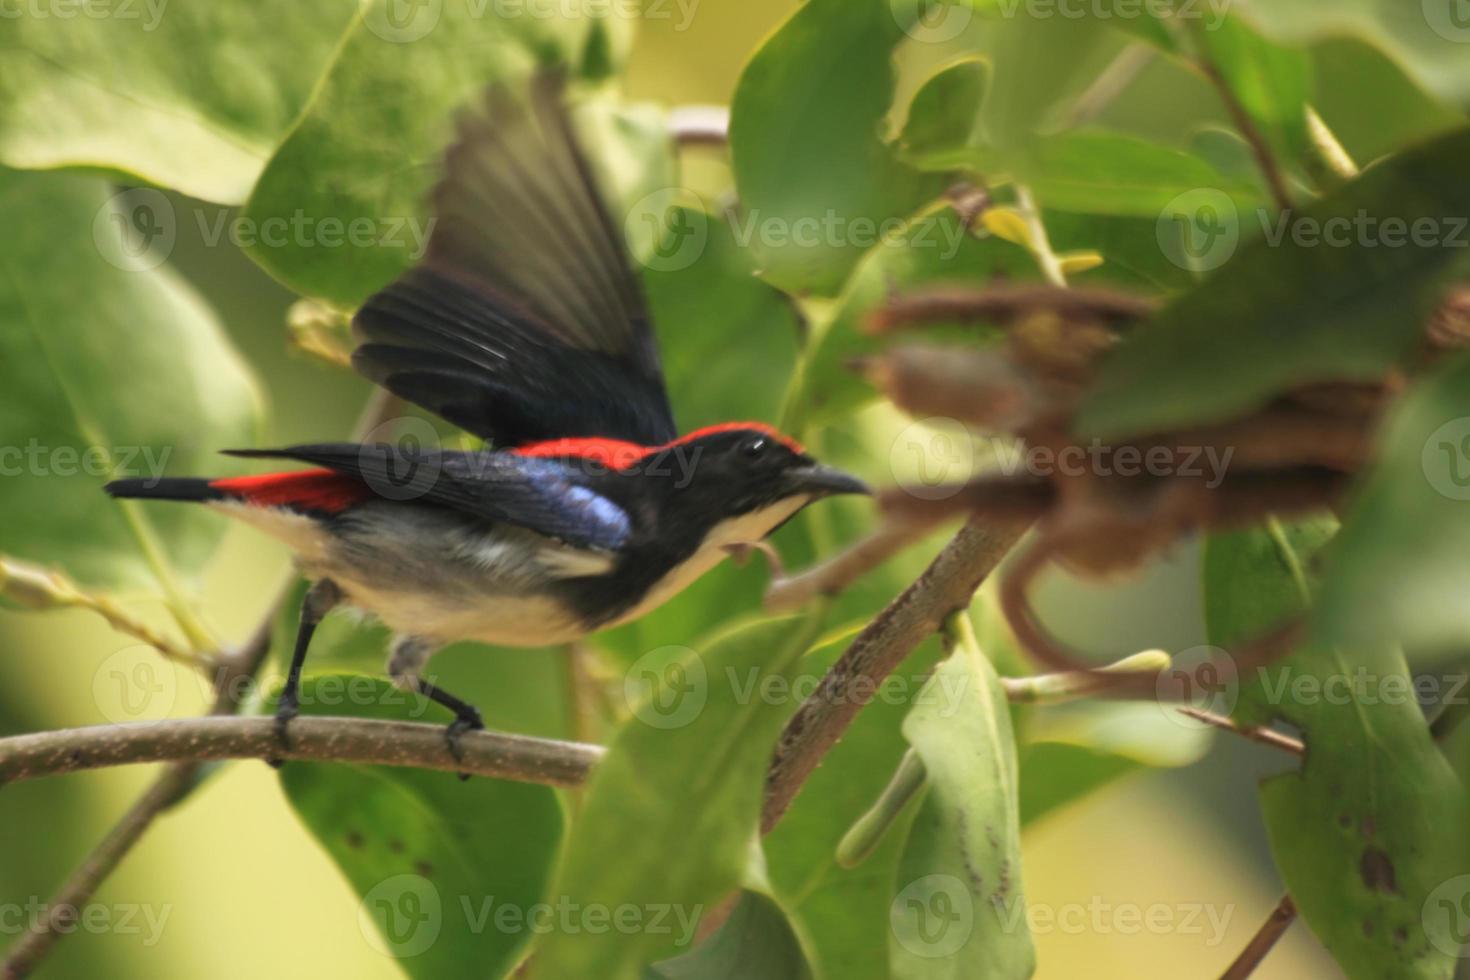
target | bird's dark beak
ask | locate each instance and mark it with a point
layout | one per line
(824, 481)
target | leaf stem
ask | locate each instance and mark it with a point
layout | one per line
(863, 838)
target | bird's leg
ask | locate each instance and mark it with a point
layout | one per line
(406, 660)
(320, 599)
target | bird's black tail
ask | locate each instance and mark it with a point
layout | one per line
(169, 488)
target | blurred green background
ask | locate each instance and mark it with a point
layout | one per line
(248, 893)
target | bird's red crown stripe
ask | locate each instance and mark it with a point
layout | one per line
(618, 454)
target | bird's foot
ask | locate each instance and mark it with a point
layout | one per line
(468, 720)
(286, 710)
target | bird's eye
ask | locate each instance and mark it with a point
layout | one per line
(753, 448)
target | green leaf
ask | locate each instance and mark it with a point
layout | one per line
(1040, 64)
(757, 942)
(1427, 39)
(193, 96)
(1272, 83)
(1290, 308)
(816, 181)
(670, 813)
(728, 340)
(366, 151)
(960, 910)
(1397, 574)
(452, 873)
(1111, 174)
(1370, 829)
(943, 112)
(1071, 750)
(111, 368)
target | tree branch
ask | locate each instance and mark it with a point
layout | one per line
(947, 584)
(1275, 926)
(318, 739)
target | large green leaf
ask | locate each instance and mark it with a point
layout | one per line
(1427, 38)
(1289, 310)
(452, 873)
(111, 368)
(1040, 63)
(817, 182)
(845, 910)
(1110, 173)
(1372, 826)
(669, 815)
(192, 95)
(1397, 574)
(943, 112)
(960, 909)
(366, 151)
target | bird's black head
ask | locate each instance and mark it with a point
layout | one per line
(745, 478)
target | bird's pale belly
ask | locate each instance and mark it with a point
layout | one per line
(503, 620)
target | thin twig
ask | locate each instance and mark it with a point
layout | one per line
(1260, 146)
(1005, 303)
(42, 588)
(1276, 924)
(1255, 733)
(312, 738)
(947, 584)
(1110, 83)
(837, 573)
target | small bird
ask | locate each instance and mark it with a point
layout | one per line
(524, 324)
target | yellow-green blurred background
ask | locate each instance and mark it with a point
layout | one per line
(248, 893)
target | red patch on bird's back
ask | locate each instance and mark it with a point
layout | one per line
(619, 454)
(325, 491)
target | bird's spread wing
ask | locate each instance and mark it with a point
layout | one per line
(537, 494)
(526, 320)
